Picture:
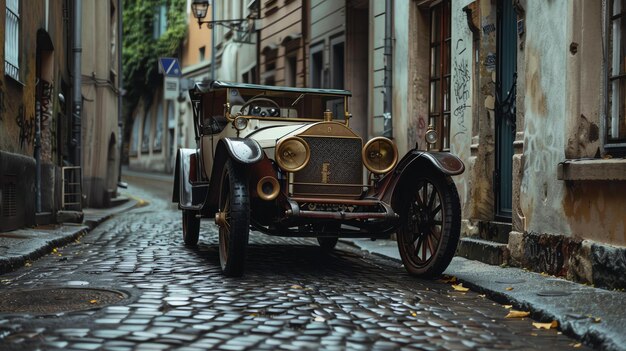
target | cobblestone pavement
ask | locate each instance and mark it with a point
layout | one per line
(292, 297)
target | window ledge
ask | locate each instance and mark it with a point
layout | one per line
(592, 169)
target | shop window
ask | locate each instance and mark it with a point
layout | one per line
(439, 92)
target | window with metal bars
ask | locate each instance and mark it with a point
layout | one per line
(616, 97)
(439, 77)
(12, 40)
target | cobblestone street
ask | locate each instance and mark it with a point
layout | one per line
(293, 296)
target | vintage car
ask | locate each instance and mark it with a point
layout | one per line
(284, 161)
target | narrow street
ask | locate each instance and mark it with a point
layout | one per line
(292, 296)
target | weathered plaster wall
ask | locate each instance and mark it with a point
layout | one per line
(545, 106)
(400, 103)
(461, 84)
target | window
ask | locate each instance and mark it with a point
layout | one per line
(159, 25)
(145, 138)
(337, 63)
(202, 51)
(439, 106)
(616, 112)
(317, 66)
(158, 134)
(291, 70)
(12, 39)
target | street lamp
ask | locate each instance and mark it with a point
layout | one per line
(200, 8)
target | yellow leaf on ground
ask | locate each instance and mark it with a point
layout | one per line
(517, 314)
(508, 307)
(54, 250)
(459, 287)
(577, 345)
(483, 295)
(93, 301)
(597, 320)
(319, 319)
(551, 325)
(509, 288)
(296, 287)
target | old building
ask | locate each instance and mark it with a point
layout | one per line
(35, 89)
(101, 98)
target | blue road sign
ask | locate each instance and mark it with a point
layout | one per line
(169, 66)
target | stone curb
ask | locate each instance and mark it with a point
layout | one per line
(594, 316)
(31, 244)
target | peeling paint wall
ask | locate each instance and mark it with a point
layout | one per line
(545, 63)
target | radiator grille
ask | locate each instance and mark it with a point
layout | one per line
(335, 160)
(8, 197)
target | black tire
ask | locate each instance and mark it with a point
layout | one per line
(235, 202)
(191, 228)
(327, 243)
(430, 223)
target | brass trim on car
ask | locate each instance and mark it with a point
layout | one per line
(329, 129)
(372, 167)
(275, 188)
(279, 157)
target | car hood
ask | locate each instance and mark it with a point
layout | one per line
(267, 136)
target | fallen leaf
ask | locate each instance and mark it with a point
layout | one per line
(413, 313)
(517, 314)
(533, 334)
(27, 264)
(509, 288)
(319, 319)
(296, 287)
(459, 287)
(93, 301)
(577, 345)
(597, 320)
(54, 250)
(551, 325)
(508, 307)
(482, 295)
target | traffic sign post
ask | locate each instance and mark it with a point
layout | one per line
(169, 66)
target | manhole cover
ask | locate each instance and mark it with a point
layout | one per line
(56, 300)
(553, 293)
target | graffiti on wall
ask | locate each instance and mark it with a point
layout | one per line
(461, 88)
(490, 62)
(27, 128)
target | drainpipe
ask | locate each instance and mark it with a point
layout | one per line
(387, 123)
(213, 41)
(120, 85)
(38, 143)
(76, 93)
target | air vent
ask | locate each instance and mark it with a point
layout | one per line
(8, 197)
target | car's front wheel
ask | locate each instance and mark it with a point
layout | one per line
(430, 224)
(191, 228)
(233, 219)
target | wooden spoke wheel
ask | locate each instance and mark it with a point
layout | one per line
(430, 224)
(233, 219)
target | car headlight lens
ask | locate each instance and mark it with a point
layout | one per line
(292, 154)
(240, 123)
(431, 136)
(380, 155)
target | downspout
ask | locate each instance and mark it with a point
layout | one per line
(38, 135)
(120, 85)
(387, 123)
(76, 92)
(213, 42)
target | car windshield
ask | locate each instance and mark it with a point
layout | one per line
(280, 104)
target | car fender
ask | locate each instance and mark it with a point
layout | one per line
(245, 151)
(182, 192)
(411, 164)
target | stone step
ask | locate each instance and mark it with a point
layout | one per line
(486, 251)
(491, 231)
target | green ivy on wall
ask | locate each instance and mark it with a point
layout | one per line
(141, 49)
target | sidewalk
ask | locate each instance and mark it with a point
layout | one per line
(595, 316)
(20, 246)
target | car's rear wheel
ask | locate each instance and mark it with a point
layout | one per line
(430, 224)
(233, 219)
(191, 228)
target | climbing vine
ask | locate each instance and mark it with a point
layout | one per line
(141, 49)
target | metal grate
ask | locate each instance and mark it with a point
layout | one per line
(72, 189)
(335, 168)
(8, 197)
